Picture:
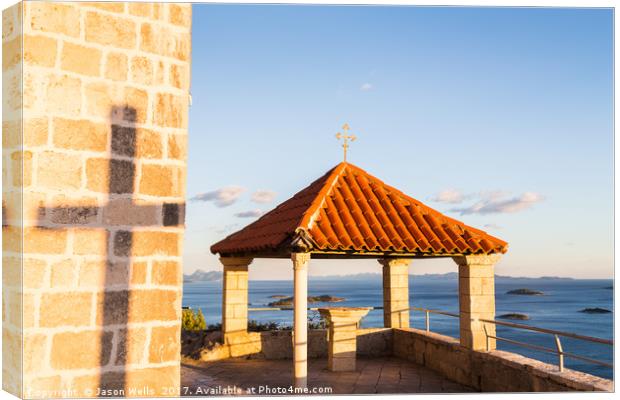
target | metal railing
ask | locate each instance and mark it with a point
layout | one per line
(559, 351)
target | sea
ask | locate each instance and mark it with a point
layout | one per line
(558, 308)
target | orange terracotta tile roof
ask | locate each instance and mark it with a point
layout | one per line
(348, 210)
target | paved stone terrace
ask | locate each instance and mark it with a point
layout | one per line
(373, 375)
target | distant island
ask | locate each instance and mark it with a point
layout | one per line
(515, 316)
(525, 292)
(288, 301)
(595, 310)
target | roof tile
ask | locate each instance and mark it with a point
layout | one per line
(348, 209)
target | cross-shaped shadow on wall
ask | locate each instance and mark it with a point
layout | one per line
(117, 217)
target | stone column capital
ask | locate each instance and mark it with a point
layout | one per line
(394, 261)
(236, 261)
(300, 260)
(483, 259)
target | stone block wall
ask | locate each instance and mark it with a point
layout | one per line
(494, 371)
(278, 345)
(12, 167)
(95, 145)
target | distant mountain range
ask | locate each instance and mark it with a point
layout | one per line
(216, 276)
(203, 276)
(446, 276)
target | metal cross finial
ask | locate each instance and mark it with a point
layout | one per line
(345, 136)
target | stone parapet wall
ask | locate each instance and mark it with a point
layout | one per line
(495, 371)
(100, 163)
(275, 345)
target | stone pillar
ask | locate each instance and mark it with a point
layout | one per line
(234, 296)
(95, 110)
(476, 299)
(342, 344)
(395, 292)
(300, 327)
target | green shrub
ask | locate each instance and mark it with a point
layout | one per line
(193, 321)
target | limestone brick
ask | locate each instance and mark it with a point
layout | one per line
(90, 241)
(149, 144)
(141, 9)
(166, 273)
(11, 272)
(116, 66)
(80, 134)
(179, 14)
(110, 30)
(159, 180)
(9, 22)
(137, 99)
(44, 241)
(97, 174)
(34, 351)
(165, 42)
(65, 309)
(11, 53)
(80, 59)
(156, 378)
(170, 111)
(131, 346)
(142, 70)
(139, 271)
(179, 76)
(165, 344)
(11, 135)
(22, 168)
(63, 273)
(177, 147)
(64, 344)
(54, 17)
(117, 7)
(34, 273)
(39, 50)
(159, 72)
(35, 131)
(147, 243)
(68, 89)
(59, 171)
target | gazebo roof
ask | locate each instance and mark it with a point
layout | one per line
(350, 212)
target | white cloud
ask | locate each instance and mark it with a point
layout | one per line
(498, 202)
(249, 214)
(222, 197)
(223, 229)
(263, 196)
(451, 196)
(366, 87)
(492, 226)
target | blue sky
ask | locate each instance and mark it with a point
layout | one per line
(499, 117)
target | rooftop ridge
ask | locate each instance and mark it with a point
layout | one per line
(312, 212)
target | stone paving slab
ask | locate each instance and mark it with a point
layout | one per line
(273, 377)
